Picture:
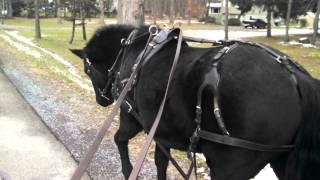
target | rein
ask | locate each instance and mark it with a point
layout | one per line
(84, 163)
(142, 155)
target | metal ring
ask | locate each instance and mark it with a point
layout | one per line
(123, 41)
(153, 30)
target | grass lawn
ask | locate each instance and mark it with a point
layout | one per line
(55, 38)
(309, 58)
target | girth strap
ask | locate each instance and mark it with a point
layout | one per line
(236, 142)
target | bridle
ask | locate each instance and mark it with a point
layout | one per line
(125, 46)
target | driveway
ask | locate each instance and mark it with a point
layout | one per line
(28, 150)
(239, 33)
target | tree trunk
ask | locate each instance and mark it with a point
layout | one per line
(73, 21)
(131, 12)
(9, 8)
(226, 21)
(207, 10)
(154, 13)
(101, 5)
(120, 15)
(58, 6)
(183, 9)
(171, 12)
(288, 21)
(316, 24)
(37, 20)
(269, 11)
(1, 9)
(83, 21)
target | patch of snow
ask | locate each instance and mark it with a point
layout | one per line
(74, 71)
(266, 174)
(216, 34)
(200, 156)
(200, 170)
(309, 46)
(77, 81)
(21, 47)
(71, 69)
(295, 43)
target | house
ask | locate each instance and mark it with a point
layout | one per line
(217, 11)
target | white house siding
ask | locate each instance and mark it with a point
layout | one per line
(217, 10)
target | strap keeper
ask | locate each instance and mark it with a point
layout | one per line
(198, 116)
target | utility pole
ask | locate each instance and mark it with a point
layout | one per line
(226, 22)
(288, 21)
(37, 20)
(316, 24)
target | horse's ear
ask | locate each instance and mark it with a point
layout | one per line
(78, 52)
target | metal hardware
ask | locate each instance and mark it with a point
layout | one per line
(88, 61)
(102, 94)
(153, 30)
(226, 49)
(130, 106)
(278, 59)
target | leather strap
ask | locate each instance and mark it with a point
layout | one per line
(144, 151)
(236, 142)
(84, 163)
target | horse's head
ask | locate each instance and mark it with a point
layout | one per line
(99, 55)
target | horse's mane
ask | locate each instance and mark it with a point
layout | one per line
(105, 42)
(106, 36)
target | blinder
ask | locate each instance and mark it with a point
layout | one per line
(89, 69)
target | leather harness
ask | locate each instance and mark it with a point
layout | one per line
(212, 79)
(155, 43)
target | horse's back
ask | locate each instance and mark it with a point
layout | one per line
(259, 98)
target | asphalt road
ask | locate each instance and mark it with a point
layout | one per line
(28, 150)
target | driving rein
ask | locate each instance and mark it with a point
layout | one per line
(157, 39)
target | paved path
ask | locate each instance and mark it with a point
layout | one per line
(27, 148)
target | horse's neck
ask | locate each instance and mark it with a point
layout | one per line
(131, 54)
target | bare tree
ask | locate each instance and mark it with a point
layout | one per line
(172, 12)
(316, 24)
(131, 12)
(286, 39)
(37, 20)
(101, 6)
(226, 21)
(269, 13)
(83, 15)
(9, 8)
(83, 20)
(189, 11)
(154, 10)
(1, 11)
(58, 6)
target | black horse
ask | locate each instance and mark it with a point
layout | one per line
(259, 100)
